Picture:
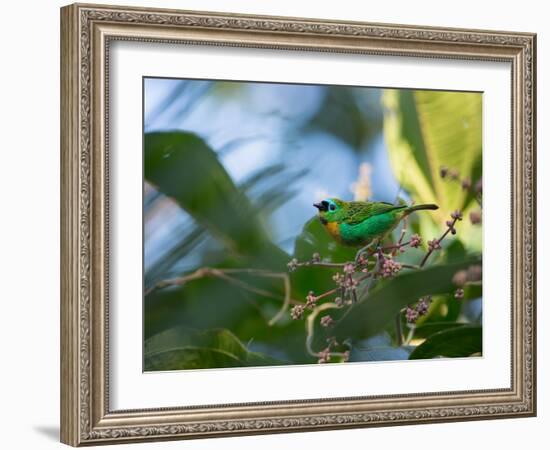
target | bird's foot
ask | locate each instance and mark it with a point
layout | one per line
(359, 256)
(361, 252)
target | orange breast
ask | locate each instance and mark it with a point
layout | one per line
(333, 229)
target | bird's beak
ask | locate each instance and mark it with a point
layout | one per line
(321, 206)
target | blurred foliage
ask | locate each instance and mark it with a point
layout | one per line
(183, 167)
(428, 130)
(213, 303)
(314, 239)
(388, 297)
(428, 328)
(348, 113)
(176, 163)
(184, 348)
(210, 322)
(455, 342)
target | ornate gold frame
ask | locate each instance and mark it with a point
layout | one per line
(86, 31)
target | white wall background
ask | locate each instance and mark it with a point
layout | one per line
(29, 222)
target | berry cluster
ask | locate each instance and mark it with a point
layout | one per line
(354, 278)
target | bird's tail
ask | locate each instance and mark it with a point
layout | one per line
(410, 209)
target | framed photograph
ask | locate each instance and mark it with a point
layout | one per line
(275, 224)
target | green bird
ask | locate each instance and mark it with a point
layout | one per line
(360, 224)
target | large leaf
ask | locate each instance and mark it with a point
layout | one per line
(444, 308)
(185, 168)
(425, 130)
(372, 313)
(213, 303)
(457, 342)
(184, 348)
(429, 328)
(315, 239)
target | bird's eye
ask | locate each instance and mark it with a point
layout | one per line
(332, 207)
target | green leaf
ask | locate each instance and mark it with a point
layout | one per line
(182, 166)
(454, 252)
(445, 308)
(184, 348)
(456, 342)
(315, 239)
(425, 130)
(372, 313)
(428, 328)
(214, 303)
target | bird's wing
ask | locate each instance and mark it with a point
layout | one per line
(360, 211)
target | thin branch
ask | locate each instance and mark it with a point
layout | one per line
(224, 275)
(399, 329)
(332, 265)
(310, 325)
(396, 246)
(402, 236)
(200, 273)
(286, 301)
(433, 247)
(322, 264)
(327, 293)
(269, 274)
(410, 334)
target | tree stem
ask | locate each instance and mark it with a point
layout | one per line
(398, 329)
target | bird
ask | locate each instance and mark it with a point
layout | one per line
(361, 224)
